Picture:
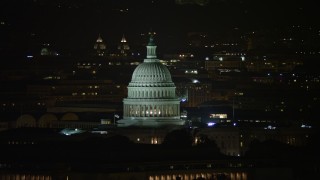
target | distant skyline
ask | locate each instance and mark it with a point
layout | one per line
(77, 23)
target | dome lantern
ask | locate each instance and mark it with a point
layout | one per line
(151, 50)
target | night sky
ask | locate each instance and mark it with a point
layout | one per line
(75, 24)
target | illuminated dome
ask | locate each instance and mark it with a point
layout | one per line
(151, 74)
(151, 97)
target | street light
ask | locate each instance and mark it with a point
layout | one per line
(114, 118)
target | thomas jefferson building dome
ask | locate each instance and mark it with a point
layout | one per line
(151, 97)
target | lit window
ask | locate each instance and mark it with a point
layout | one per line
(220, 116)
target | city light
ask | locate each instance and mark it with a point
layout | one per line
(89, 89)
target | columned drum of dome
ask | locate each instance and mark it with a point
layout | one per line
(151, 97)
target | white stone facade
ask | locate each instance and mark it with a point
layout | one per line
(151, 97)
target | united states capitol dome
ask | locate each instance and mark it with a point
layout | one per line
(151, 74)
(152, 100)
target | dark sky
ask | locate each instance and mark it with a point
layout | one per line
(77, 23)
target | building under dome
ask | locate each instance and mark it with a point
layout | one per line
(151, 97)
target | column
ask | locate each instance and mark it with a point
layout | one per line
(144, 111)
(162, 110)
(126, 110)
(153, 108)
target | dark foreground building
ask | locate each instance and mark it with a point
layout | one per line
(49, 154)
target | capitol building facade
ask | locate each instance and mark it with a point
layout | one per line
(151, 97)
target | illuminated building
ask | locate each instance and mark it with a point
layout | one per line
(123, 47)
(192, 94)
(46, 50)
(235, 141)
(100, 47)
(151, 97)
